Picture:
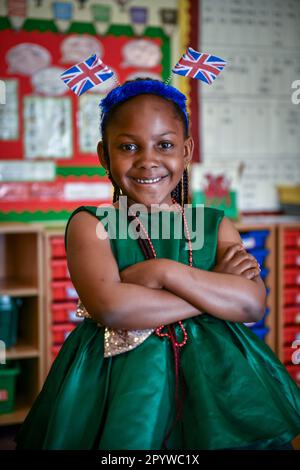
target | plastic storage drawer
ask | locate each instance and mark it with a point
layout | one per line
(64, 312)
(292, 355)
(63, 290)
(287, 354)
(9, 314)
(254, 239)
(292, 238)
(291, 315)
(292, 257)
(8, 377)
(291, 277)
(291, 295)
(58, 247)
(59, 269)
(291, 333)
(61, 332)
(260, 254)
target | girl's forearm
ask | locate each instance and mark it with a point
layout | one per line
(131, 306)
(225, 296)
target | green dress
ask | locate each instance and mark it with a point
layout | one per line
(237, 393)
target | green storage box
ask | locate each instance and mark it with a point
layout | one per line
(8, 378)
(9, 308)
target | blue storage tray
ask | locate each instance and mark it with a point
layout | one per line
(254, 238)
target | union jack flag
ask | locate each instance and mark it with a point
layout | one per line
(199, 65)
(87, 74)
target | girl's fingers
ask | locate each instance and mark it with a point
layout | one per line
(245, 258)
(232, 250)
(246, 265)
(251, 273)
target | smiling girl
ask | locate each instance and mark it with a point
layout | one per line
(163, 358)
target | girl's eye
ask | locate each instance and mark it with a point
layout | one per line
(128, 147)
(166, 145)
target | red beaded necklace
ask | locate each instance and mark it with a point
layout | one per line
(187, 234)
(171, 335)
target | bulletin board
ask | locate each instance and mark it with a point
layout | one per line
(48, 161)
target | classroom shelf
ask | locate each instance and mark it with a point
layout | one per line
(259, 239)
(60, 295)
(21, 269)
(16, 416)
(16, 289)
(22, 351)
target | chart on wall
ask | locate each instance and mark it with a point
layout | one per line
(249, 115)
(44, 122)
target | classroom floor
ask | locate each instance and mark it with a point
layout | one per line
(7, 434)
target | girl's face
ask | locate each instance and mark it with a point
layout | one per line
(145, 141)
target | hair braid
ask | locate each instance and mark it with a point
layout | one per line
(186, 186)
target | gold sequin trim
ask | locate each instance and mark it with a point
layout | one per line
(81, 310)
(117, 341)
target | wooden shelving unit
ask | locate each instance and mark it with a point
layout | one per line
(56, 254)
(27, 272)
(245, 226)
(21, 252)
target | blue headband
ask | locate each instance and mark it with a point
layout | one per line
(131, 89)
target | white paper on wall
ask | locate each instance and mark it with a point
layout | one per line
(248, 114)
(9, 119)
(87, 191)
(48, 127)
(89, 122)
(27, 171)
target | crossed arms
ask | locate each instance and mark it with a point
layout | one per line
(162, 291)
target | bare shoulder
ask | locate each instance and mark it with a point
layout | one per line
(84, 227)
(228, 232)
(91, 261)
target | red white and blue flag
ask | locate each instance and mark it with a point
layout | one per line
(200, 65)
(87, 74)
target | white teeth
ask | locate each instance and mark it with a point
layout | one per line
(153, 180)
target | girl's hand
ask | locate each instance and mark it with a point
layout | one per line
(237, 261)
(147, 273)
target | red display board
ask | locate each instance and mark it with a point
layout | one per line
(43, 51)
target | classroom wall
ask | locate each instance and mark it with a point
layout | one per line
(251, 114)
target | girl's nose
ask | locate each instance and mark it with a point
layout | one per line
(147, 159)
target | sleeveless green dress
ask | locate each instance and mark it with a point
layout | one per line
(237, 393)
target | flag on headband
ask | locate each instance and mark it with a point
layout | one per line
(87, 74)
(199, 65)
